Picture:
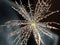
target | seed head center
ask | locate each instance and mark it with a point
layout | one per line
(33, 24)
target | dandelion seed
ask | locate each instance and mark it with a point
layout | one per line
(32, 22)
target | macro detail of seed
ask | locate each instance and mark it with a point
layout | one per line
(32, 22)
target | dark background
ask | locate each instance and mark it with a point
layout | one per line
(7, 13)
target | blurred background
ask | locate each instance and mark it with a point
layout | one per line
(7, 13)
